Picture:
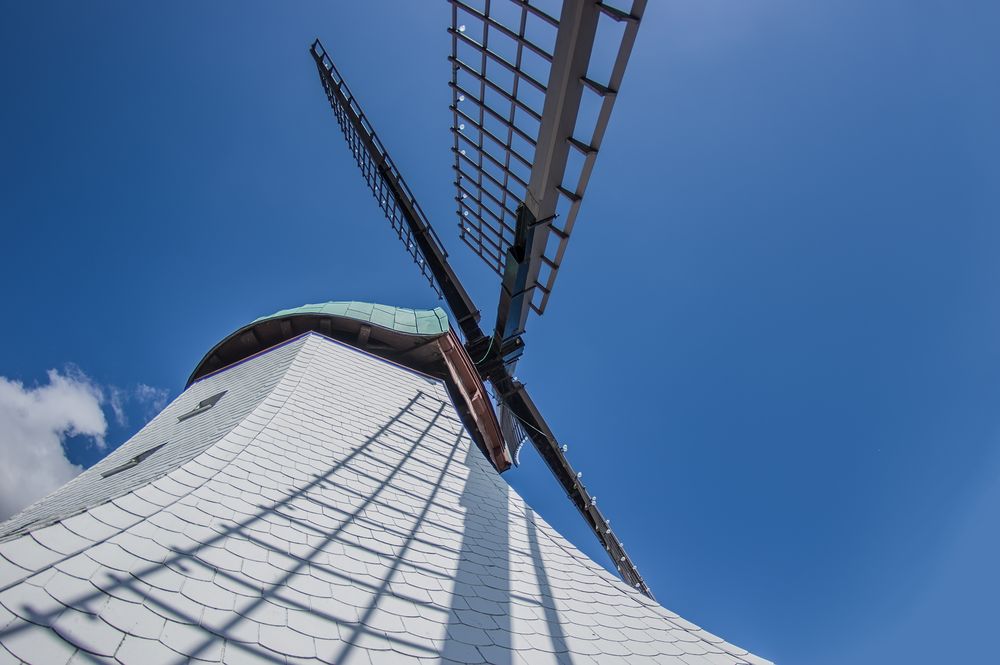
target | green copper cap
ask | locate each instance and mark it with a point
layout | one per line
(402, 319)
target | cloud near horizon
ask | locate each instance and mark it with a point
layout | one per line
(152, 400)
(35, 423)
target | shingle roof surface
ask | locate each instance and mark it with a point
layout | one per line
(336, 512)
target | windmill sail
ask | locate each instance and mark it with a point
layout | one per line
(390, 190)
(532, 94)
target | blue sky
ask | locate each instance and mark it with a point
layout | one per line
(774, 348)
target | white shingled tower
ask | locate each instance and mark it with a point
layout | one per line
(311, 500)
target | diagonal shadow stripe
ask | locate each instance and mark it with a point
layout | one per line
(551, 614)
(398, 560)
(467, 578)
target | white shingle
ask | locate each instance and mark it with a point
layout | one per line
(87, 632)
(160, 577)
(138, 651)
(209, 594)
(172, 605)
(118, 585)
(113, 556)
(58, 538)
(191, 641)
(85, 526)
(232, 627)
(31, 603)
(11, 572)
(237, 653)
(76, 593)
(28, 553)
(314, 624)
(114, 516)
(132, 618)
(283, 640)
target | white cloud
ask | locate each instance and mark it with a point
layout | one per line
(117, 401)
(34, 423)
(152, 400)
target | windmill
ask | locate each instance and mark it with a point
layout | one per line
(517, 123)
(327, 487)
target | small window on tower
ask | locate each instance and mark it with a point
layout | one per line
(203, 405)
(132, 462)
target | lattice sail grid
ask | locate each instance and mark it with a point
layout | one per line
(501, 56)
(372, 159)
(533, 86)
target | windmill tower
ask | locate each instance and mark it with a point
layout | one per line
(327, 487)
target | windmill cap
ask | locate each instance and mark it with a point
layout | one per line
(381, 329)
